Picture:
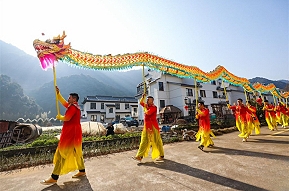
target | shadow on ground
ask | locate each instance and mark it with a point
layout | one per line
(228, 151)
(201, 174)
(81, 184)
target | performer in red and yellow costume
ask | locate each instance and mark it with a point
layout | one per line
(150, 137)
(270, 115)
(241, 120)
(68, 156)
(204, 133)
(281, 114)
(252, 119)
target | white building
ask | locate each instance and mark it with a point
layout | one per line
(109, 108)
(168, 91)
(171, 90)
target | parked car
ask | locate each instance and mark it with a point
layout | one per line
(129, 121)
(115, 122)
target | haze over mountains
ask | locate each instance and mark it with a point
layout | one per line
(26, 71)
(38, 84)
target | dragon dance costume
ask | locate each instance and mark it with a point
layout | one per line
(241, 120)
(204, 133)
(150, 136)
(252, 119)
(281, 115)
(270, 116)
(68, 156)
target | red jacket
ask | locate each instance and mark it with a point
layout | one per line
(240, 111)
(71, 133)
(269, 109)
(150, 118)
(204, 119)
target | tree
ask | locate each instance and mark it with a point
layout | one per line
(13, 103)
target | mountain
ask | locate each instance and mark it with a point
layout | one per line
(25, 70)
(285, 81)
(13, 103)
(279, 84)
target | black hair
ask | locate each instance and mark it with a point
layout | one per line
(240, 99)
(201, 102)
(75, 96)
(150, 97)
(249, 102)
(265, 100)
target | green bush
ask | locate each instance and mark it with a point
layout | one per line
(45, 142)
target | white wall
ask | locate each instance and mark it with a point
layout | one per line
(175, 91)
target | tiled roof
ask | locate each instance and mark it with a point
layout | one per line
(99, 98)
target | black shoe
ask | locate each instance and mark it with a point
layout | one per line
(211, 145)
(201, 147)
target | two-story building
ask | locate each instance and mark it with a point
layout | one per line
(109, 108)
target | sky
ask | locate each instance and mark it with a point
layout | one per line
(250, 38)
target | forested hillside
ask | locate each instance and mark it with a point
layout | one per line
(13, 103)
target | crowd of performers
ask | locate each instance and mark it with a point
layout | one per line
(247, 121)
(68, 156)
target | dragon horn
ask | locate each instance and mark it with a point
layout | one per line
(63, 35)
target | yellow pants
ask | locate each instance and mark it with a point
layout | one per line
(243, 128)
(205, 138)
(65, 165)
(151, 140)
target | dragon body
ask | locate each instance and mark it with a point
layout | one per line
(51, 51)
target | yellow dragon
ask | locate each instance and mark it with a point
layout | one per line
(51, 51)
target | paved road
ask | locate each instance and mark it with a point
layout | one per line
(262, 163)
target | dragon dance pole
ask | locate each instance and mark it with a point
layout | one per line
(226, 95)
(144, 81)
(245, 94)
(274, 99)
(197, 96)
(56, 97)
(255, 94)
(144, 86)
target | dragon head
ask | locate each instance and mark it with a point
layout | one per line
(50, 51)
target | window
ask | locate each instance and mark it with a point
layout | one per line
(117, 106)
(110, 110)
(161, 86)
(202, 93)
(102, 106)
(213, 82)
(126, 106)
(189, 92)
(93, 117)
(162, 103)
(135, 110)
(215, 94)
(92, 105)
